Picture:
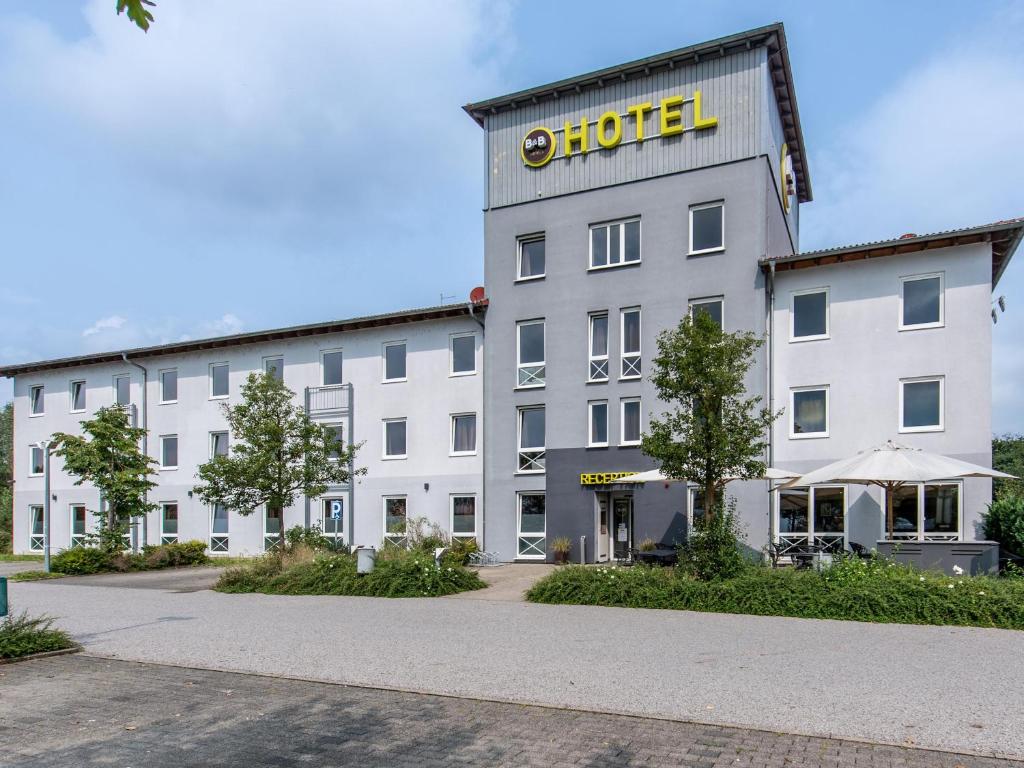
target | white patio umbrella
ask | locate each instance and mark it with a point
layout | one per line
(656, 476)
(890, 466)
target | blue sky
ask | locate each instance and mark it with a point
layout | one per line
(251, 165)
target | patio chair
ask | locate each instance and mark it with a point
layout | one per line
(775, 553)
(861, 551)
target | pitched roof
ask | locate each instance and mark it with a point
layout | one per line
(254, 337)
(773, 37)
(1004, 236)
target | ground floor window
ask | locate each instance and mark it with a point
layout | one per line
(396, 510)
(273, 526)
(697, 508)
(35, 528)
(168, 523)
(332, 520)
(463, 516)
(925, 512)
(812, 516)
(219, 541)
(77, 525)
(532, 526)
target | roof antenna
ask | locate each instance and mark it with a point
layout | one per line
(445, 297)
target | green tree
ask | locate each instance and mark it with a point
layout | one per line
(137, 13)
(277, 453)
(6, 476)
(108, 456)
(714, 432)
(1008, 456)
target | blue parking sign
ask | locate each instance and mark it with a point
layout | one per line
(336, 509)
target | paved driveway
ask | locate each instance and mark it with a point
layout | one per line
(949, 688)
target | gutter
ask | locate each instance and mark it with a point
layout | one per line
(481, 427)
(770, 334)
(145, 439)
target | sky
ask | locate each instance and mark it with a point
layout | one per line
(253, 165)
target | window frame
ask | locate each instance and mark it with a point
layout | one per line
(340, 427)
(793, 338)
(919, 533)
(210, 375)
(119, 377)
(165, 537)
(213, 442)
(941, 322)
(163, 451)
(811, 533)
(339, 530)
(793, 434)
(323, 368)
(384, 433)
(76, 540)
(451, 516)
(541, 546)
(160, 379)
(33, 538)
(384, 361)
(268, 359)
(452, 373)
(634, 358)
(520, 241)
(31, 461)
(607, 225)
(623, 401)
(71, 396)
(703, 207)
(223, 543)
(941, 426)
(451, 437)
(596, 360)
(540, 377)
(267, 536)
(540, 451)
(720, 299)
(396, 538)
(591, 443)
(41, 389)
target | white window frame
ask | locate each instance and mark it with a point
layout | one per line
(77, 539)
(920, 534)
(702, 207)
(451, 437)
(793, 434)
(537, 236)
(323, 369)
(71, 396)
(210, 376)
(340, 426)
(535, 371)
(177, 448)
(384, 361)
(223, 543)
(941, 427)
(630, 359)
(397, 538)
(36, 541)
(793, 338)
(118, 377)
(597, 362)
(538, 549)
(336, 534)
(534, 455)
(451, 354)
(160, 381)
(591, 443)
(451, 516)
(789, 540)
(622, 420)
(608, 241)
(385, 456)
(41, 388)
(942, 301)
(31, 463)
(706, 300)
(267, 536)
(268, 359)
(165, 537)
(213, 441)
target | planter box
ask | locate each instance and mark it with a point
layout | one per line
(977, 558)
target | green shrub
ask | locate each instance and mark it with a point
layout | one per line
(714, 550)
(314, 539)
(21, 636)
(80, 561)
(34, 576)
(459, 551)
(1004, 522)
(174, 555)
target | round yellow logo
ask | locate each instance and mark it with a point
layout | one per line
(538, 147)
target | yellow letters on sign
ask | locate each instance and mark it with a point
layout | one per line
(699, 121)
(671, 115)
(638, 111)
(575, 135)
(603, 138)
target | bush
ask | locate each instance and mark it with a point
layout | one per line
(21, 636)
(1004, 522)
(313, 539)
(175, 555)
(459, 551)
(872, 591)
(714, 550)
(80, 561)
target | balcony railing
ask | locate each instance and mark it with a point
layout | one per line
(329, 399)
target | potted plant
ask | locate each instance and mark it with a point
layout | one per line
(560, 547)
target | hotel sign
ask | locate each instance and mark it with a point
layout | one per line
(602, 478)
(664, 119)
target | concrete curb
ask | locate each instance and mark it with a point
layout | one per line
(43, 655)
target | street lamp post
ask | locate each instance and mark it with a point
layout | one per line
(44, 446)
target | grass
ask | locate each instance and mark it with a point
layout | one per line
(34, 576)
(22, 636)
(9, 558)
(869, 591)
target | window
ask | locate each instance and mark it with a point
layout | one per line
(921, 304)
(531, 526)
(36, 534)
(697, 508)
(395, 516)
(332, 519)
(599, 347)
(219, 536)
(330, 367)
(531, 439)
(77, 525)
(598, 435)
(169, 386)
(219, 380)
(925, 511)
(123, 390)
(530, 345)
(218, 444)
(631, 343)
(809, 315)
(274, 367)
(531, 258)
(815, 515)
(36, 402)
(77, 396)
(463, 434)
(808, 412)
(394, 361)
(463, 355)
(614, 244)
(37, 460)
(169, 452)
(338, 433)
(707, 228)
(273, 525)
(630, 421)
(463, 516)
(712, 307)
(921, 404)
(168, 523)
(394, 439)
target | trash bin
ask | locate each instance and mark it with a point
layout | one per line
(3, 596)
(365, 559)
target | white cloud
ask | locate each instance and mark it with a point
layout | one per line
(113, 322)
(228, 325)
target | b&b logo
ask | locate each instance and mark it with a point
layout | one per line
(538, 147)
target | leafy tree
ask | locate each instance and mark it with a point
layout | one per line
(108, 456)
(714, 432)
(6, 475)
(1008, 456)
(1003, 521)
(137, 13)
(277, 452)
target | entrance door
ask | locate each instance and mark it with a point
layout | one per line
(622, 526)
(602, 538)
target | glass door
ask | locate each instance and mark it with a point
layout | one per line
(622, 526)
(602, 538)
